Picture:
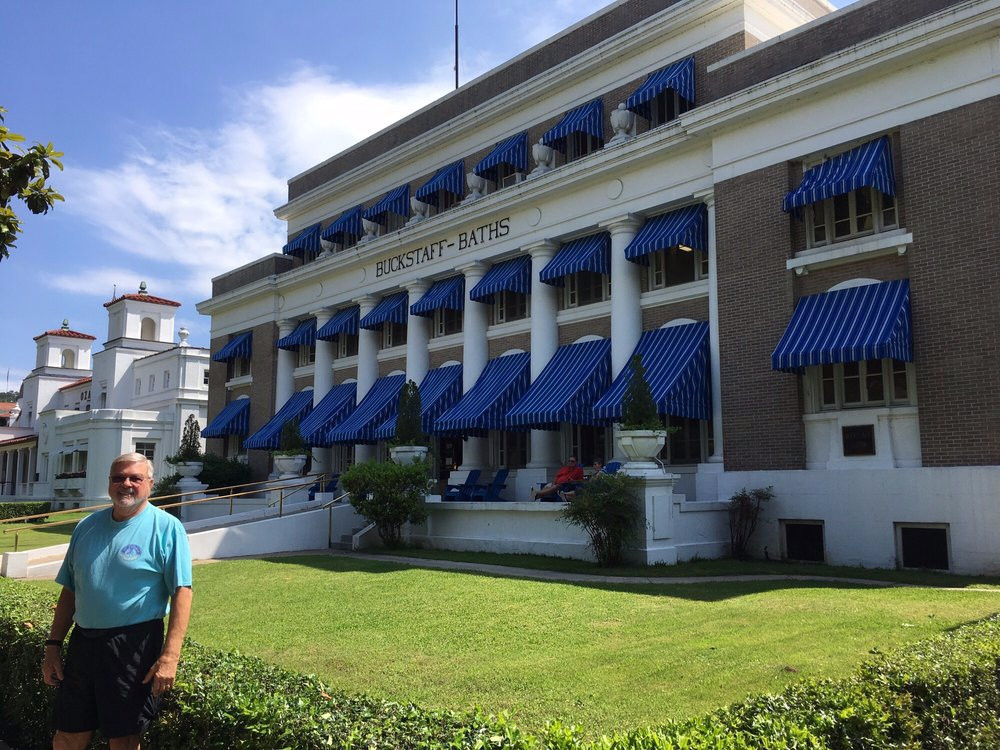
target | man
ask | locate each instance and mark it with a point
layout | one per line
(566, 480)
(124, 566)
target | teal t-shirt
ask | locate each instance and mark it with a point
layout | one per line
(124, 572)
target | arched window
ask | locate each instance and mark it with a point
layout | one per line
(68, 358)
(148, 330)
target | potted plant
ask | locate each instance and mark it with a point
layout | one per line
(292, 454)
(641, 434)
(187, 461)
(410, 443)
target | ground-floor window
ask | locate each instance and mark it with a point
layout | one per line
(509, 449)
(853, 385)
(803, 540)
(922, 546)
(589, 443)
(690, 443)
(147, 449)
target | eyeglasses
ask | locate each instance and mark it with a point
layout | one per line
(133, 478)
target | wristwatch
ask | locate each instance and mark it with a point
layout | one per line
(53, 642)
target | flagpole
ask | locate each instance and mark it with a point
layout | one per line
(456, 44)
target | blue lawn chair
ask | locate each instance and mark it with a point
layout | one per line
(611, 467)
(462, 491)
(330, 486)
(491, 492)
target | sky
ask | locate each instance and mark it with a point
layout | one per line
(182, 122)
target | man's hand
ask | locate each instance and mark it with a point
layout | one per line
(52, 666)
(162, 673)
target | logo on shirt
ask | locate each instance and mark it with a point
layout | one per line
(130, 552)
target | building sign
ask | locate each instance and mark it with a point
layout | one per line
(464, 240)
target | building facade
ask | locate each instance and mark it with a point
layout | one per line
(776, 205)
(80, 410)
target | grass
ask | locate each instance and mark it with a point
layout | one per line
(701, 568)
(605, 656)
(32, 535)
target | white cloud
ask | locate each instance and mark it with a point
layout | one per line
(107, 280)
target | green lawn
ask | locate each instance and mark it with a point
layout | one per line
(34, 535)
(605, 656)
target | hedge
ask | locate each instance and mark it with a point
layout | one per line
(15, 510)
(940, 693)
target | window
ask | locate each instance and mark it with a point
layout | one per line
(854, 214)
(804, 541)
(166, 379)
(691, 443)
(586, 288)
(445, 200)
(446, 322)
(147, 449)
(239, 367)
(507, 175)
(393, 334)
(666, 107)
(508, 306)
(872, 382)
(923, 546)
(589, 443)
(147, 330)
(68, 359)
(511, 449)
(347, 345)
(152, 383)
(676, 265)
(306, 355)
(391, 222)
(579, 145)
(138, 386)
(204, 377)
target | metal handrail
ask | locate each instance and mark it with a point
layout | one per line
(311, 479)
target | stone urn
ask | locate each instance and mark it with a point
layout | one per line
(477, 187)
(622, 122)
(371, 230)
(408, 454)
(189, 469)
(641, 447)
(419, 211)
(289, 467)
(544, 157)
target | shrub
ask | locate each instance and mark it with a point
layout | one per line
(190, 448)
(388, 495)
(224, 472)
(409, 430)
(291, 442)
(744, 512)
(638, 408)
(16, 510)
(609, 509)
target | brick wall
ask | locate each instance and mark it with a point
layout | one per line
(570, 332)
(263, 365)
(216, 393)
(261, 269)
(440, 356)
(761, 408)
(500, 345)
(342, 374)
(885, 268)
(950, 167)
(385, 366)
(655, 317)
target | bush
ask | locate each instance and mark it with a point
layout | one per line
(291, 442)
(190, 448)
(388, 495)
(638, 407)
(609, 509)
(15, 510)
(409, 431)
(940, 693)
(744, 512)
(224, 472)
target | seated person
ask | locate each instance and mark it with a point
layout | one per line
(566, 479)
(597, 470)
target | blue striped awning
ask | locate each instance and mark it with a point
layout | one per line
(848, 325)
(450, 178)
(305, 241)
(391, 309)
(348, 222)
(345, 321)
(588, 118)
(234, 419)
(591, 253)
(240, 345)
(445, 294)
(678, 76)
(685, 226)
(676, 364)
(303, 335)
(268, 437)
(328, 413)
(513, 152)
(376, 406)
(396, 201)
(439, 391)
(868, 165)
(566, 389)
(512, 275)
(484, 407)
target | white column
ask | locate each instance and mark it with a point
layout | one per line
(544, 342)
(475, 354)
(322, 383)
(626, 312)
(284, 379)
(367, 366)
(418, 335)
(713, 332)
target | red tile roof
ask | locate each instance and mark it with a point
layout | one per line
(144, 298)
(21, 439)
(75, 383)
(67, 333)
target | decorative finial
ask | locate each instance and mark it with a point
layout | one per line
(65, 325)
(142, 287)
(183, 334)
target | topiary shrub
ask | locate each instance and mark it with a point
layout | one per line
(388, 495)
(190, 447)
(744, 512)
(638, 408)
(409, 430)
(291, 442)
(609, 509)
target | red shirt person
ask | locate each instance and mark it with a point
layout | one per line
(566, 479)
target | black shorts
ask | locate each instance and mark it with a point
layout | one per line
(102, 680)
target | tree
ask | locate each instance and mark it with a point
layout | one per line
(639, 408)
(190, 448)
(23, 173)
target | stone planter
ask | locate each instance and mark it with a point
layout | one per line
(188, 469)
(289, 467)
(641, 447)
(408, 454)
